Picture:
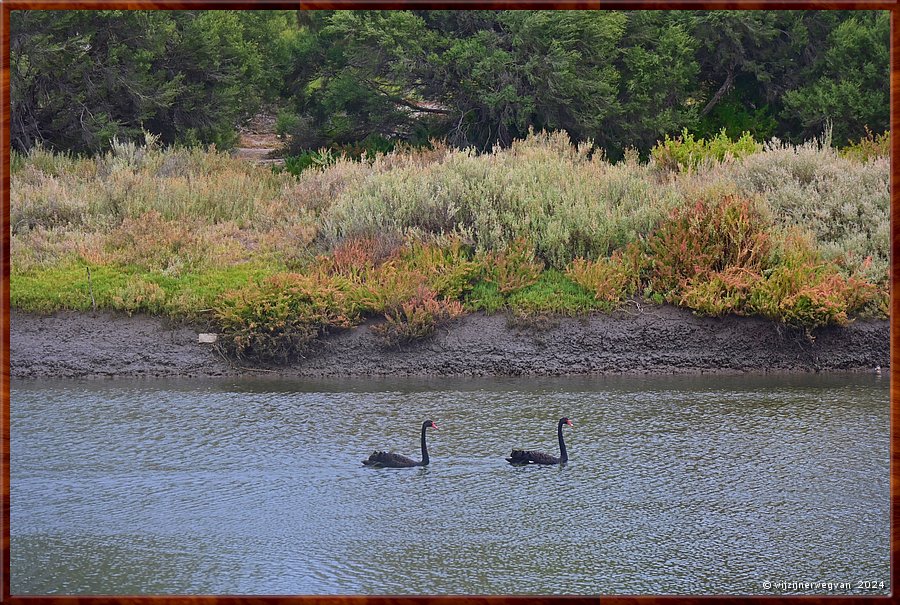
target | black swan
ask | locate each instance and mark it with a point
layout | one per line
(523, 457)
(391, 460)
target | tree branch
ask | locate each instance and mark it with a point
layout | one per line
(415, 107)
(401, 101)
(723, 90)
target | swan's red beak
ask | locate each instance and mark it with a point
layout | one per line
(569, 422)
(433, 425)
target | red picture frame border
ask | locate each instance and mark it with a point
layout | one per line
(6, 6)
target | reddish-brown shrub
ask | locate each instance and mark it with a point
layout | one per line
(704, 238)
(417, 318)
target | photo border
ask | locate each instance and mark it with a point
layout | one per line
(6, 6)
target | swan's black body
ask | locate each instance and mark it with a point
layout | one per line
(391, 460)
(525, 457)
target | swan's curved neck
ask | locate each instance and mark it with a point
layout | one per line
(424, 448)
(563, 455)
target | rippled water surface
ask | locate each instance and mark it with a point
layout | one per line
(703, 485)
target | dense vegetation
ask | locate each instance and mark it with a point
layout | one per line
(795, 233)
(472, 78)
(446, 162)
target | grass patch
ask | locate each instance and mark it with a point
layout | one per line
(128, 289)
(554, 293)
(66, 287)
(485, 296)
(551, 293)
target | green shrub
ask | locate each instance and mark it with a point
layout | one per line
(447, 267)
(869, 147)
(280, 317)
(612, 279)
(390, 285)
(286, 122)
(685, 152)
(296, 164)
(368, 149)
(513, 269)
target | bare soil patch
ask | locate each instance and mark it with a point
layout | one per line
(658, 340)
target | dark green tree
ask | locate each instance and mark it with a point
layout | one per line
(485, 77)
(276, 36)
(219, 76)
(476, 78)
(353, 76)
(746, 60)
(847, 85)
(658, 88)
(79, 78)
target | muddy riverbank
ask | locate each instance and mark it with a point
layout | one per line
(663, 340)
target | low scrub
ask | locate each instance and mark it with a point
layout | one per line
(612, 280)
(280, 317)
(869, 147)
(797, 233)
(793, 284)
(562, 198)
(703, 237)
(417, 318)
(804, 289)
(718, 257)
(355, 257)
(844, 203)
(130, 181)
(685, 152)
(448, 266)
(720, 292)
(514, 268)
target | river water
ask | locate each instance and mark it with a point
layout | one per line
(675, 485)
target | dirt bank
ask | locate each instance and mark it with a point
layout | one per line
(654, 340)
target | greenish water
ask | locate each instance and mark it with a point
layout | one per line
(675, 485)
